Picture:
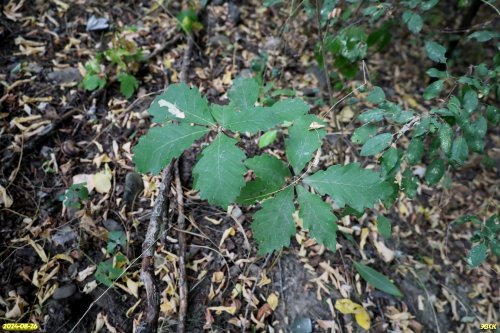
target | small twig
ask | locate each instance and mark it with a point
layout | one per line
(165, 45)
(181, 224)
(152, 312)
(186, 60)
(244, 323)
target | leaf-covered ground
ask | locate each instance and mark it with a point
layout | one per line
(53, 133)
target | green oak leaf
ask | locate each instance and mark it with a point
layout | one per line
(251, 120)
(351, 185)
(93, 81)
(434, 89)
(376, 144)
(445, 136)
(288, 110)
(376, 96)
(477, 255)
(483, 35)
(273, 224)
(303, 141)
(244, 93)
(363, 133)
(219, 172)
(318, 218)
(415, 151)
(434, 172)
(459, 151)
(270, 174)
(436, 52)
(183, 104)
(372, 115)
(470, 101)
(160, 145)
(409, 183)
(413, 21)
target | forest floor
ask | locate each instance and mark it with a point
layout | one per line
(53, 130)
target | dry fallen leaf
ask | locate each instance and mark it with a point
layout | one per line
(346, 306)
(219, 309)
(5, 198)
(272, 300)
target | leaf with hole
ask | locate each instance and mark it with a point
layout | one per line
(182, 104)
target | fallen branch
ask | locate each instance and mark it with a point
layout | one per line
(150, 322)
(181, 224)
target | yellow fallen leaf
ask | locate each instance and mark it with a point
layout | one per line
(346, 306)
(363, 319)
(133, 287)
(102, 181)
(272, 300)
(219, 309)
(217, 277)
(228, 232)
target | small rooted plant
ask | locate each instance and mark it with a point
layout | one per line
(112, 268)
(184, 116)
(118, 63)
(219, 173)
(75, 195)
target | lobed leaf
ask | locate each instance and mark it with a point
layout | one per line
(183, 104)
(318, 218)
(273, 224)
(351, 185)
(160, 145)
(219, 172)
(303, 140)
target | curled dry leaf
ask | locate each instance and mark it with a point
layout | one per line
(264, 311)
(5, 199)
